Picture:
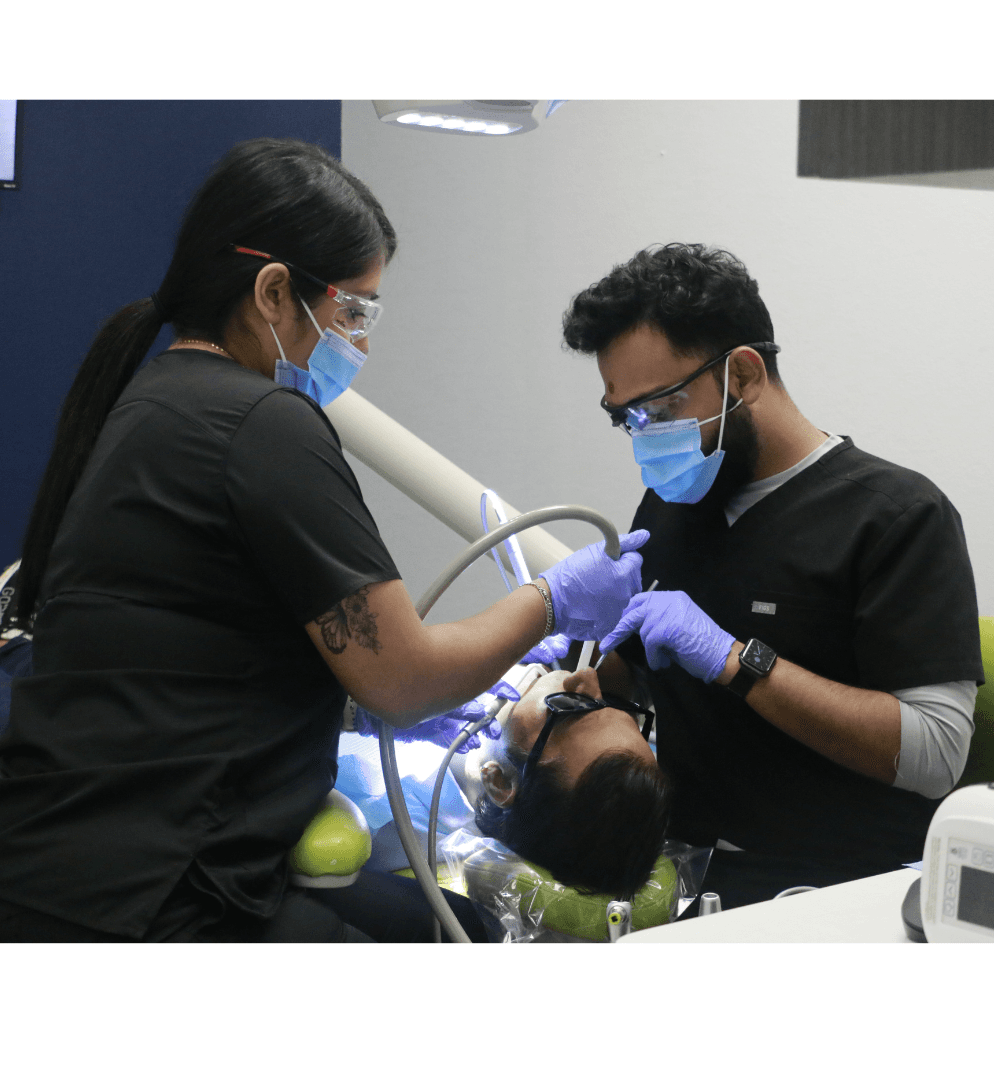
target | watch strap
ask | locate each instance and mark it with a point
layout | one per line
(741, 683)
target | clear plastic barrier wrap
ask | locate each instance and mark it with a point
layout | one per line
(520, 902)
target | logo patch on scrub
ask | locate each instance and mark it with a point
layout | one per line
(769, 608)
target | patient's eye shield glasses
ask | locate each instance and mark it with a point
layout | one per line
(564, 704)
(355, 316)
(634, 416)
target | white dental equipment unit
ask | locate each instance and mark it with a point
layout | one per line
(957, 882)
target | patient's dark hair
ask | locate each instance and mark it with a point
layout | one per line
(701, 297)
(603, 835)
(288, 198)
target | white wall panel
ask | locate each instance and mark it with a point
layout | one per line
(879, 296)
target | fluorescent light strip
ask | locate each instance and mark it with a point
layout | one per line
(457, 123)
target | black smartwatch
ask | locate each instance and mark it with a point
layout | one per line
(755, 661)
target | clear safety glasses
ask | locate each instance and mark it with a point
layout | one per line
(565, 704)
(355, 316)
(664, 405)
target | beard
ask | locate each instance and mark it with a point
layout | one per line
(741, 445)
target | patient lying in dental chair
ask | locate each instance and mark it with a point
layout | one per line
(592, 809)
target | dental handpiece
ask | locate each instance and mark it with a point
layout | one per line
(600, 660)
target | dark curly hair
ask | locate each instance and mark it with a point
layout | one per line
(702, 298)
(603, 835)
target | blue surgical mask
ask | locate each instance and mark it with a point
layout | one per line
(331, 366)
(671, 459)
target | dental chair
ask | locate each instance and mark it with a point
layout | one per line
(337, 844)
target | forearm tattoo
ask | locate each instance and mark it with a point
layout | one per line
(351, 618)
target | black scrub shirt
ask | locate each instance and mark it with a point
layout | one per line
(179, 717)
(855, 569)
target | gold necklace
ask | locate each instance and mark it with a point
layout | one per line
(206, 343)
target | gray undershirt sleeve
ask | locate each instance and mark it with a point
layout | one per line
(936, 727)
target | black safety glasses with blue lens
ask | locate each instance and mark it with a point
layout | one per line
(635, 416)
(566, 704)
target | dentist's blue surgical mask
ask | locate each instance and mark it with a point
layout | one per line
(671, 459)
(331, 366)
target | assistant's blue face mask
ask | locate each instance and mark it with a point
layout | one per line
(331, 366)
(670, 455)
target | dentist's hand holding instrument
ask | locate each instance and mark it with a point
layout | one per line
(585, 653)
(673, 628)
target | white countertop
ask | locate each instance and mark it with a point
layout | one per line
(867, 910)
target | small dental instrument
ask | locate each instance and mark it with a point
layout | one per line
(619, 919)
(600, 660)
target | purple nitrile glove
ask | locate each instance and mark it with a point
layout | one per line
(673, 628)
(550, 649)
(590, 591)
(444, 728)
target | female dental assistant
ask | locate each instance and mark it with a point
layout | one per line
(206, 584)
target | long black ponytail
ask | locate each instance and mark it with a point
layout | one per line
(288, 198)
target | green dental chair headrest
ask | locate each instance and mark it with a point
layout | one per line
(562, 908)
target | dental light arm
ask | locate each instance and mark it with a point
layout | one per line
(420, 472)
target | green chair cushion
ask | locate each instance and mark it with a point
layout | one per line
(337, 841)
(980, 761)
(563, 908)
(444, 879)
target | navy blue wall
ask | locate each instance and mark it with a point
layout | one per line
(103, 186)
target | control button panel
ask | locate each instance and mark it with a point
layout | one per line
(964, 859)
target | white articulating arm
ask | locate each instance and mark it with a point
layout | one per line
(427, 477)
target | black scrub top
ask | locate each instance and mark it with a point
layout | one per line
(856, 569)
(179, 715)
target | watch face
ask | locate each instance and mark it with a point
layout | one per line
(758, 656)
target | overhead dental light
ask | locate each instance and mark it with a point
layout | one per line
(467, 117)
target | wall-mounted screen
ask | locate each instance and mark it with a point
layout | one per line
(8, 145)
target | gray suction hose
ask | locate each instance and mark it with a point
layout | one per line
(612, 545)
(436, 797)
(388, 757)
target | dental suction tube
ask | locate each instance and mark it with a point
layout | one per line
(436, 797)
(388, 756)
(612, 544)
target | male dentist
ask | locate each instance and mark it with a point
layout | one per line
(812, 648)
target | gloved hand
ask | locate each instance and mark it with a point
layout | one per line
(589, 590)
(547, 651)
(444, 728)
(673, 628)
